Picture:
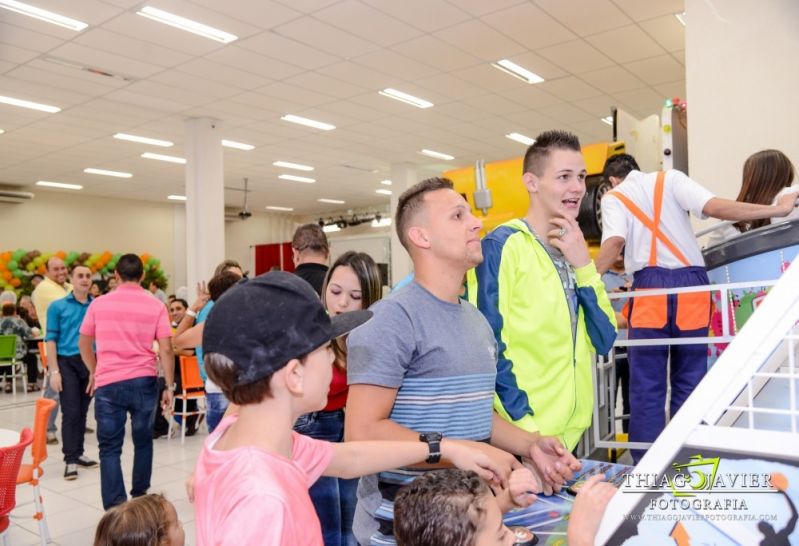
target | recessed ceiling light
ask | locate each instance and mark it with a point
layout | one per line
(383, 192)
(281, 209)
(518, 137)
(437, 155)
(308, 122)
(517, 71)
(104, 172)
(176, 197)
(28, 104)
(386, 182)
(383, 222)
(332, 201)
(289, 165)
(608, 120)
(680, 17)
(332, 228)
(61, 185)
(162, 157)
(237, 145)
(43, 15)
(406, 98)
(144, 140)
(1, 131)
(295, 178)
(187, 24)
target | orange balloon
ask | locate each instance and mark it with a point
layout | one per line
(7, 275)
(42, 269)
(779, 481)
(3, 266)
(15, 282)
(61, 254)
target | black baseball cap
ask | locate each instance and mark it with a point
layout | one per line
(262, 323)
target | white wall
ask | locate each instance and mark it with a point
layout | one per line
(742, 81)
(64, 221)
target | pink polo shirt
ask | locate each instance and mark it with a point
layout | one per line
(124, 323)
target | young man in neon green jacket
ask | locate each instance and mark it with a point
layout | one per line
(544, 299)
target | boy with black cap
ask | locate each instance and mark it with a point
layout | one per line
(267, 345)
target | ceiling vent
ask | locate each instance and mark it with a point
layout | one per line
(9, 196)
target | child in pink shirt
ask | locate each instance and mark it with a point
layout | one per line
(267, 345)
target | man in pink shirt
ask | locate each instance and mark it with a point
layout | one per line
(123, 376)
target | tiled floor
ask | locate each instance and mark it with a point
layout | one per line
(73, 508)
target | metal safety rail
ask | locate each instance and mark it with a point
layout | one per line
(746, 404)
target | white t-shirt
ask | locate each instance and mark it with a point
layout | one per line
(729, 232)
(681, 196)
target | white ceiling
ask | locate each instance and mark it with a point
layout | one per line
(326, 60)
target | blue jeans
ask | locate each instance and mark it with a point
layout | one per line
(333, 498)
(216, 407)
(112, 403)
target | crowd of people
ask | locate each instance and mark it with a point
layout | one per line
(340, 417)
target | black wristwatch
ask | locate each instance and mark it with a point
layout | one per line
(433, 441)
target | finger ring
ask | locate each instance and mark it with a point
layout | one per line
(562, 233)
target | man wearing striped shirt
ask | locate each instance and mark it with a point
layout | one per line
(425, 366)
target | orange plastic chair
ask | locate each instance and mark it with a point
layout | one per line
(10, 461)
(43, 359)
(31, 473)
(192, 388)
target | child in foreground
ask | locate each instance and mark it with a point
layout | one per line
(456, 508)
(149, 520)
(267, 345)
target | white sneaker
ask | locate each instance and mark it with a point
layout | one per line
(52, 439)
(71, 472)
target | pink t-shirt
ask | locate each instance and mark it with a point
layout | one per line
(124, 323)
(252, 496)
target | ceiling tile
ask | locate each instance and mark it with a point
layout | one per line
(480, 40)
(104, 60)
(315, 33)
(489, 78)
(427, 15)
(250, 61)
(95, 86)
(367, 22)
(307, 6)
(565, 113)
(223, 73)
(400, 66)
(28, 39)
(657, 69)
(480, 7)
(679, 55)
(261, 13)
(671, 89)
(585, 17)
(16, 55)
(531, 97)
(301, 96)
(125, 46)
(641, 11)
(451, 87)
(626, 44)
(182, 80)
(324, 84)
(358, 75)
(599, 107)
(666, 31)
(280, 47)
(530, 26)
(494, 103)
(436, 53)
(539, 65)
(568, 89)
(612, 79)
(640, 99)
(575, 56)
(146, 101)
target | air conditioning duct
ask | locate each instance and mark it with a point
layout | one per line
(9, 196)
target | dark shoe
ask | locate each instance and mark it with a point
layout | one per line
(52, 439)
(33, 387)
(71, 472)
(86, 462)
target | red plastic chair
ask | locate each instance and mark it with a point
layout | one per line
(10, 461)
(192, 388)
(30, 473)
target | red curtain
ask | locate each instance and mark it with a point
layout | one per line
(273, 255)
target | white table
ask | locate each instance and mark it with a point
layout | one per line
(8, 437)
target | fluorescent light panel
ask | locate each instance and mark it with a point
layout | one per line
(331, 201)
(680, 17)
(176, 197)
(186, 24)
(281, 209)
(104, 172)
(383, 192)
(518, 137)
(162, 157)
(295, 178)
(29, 104)
(308, 122)
(289, 165)
(517, 71)
(61, 185)
(386, 182)
(406, 98)
(1, 131)
(237, 145)
(43, 15)
(608, 120)
(144, 140)
(332, 228)
(437, 155)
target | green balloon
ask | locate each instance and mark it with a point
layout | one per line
(30, 267)
(12, 265)
(18, 273)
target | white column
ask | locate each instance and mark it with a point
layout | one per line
(205, 200)
(403, 176)
(741, 82)
(179, 248)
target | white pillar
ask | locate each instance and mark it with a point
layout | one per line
(741, 82)
(205, 200)
(403, 176)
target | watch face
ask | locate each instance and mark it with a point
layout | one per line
(431, 436)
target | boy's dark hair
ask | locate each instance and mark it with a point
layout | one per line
(225, 265)
(310, 237)
(537, 154)
(619, 166)
(225, 373)
(440, 508)
(129, 267)
(9, 309)
(220, 283)
(141, 521)
(181, 301)
(411, 201)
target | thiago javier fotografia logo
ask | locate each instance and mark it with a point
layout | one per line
(700, 476)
